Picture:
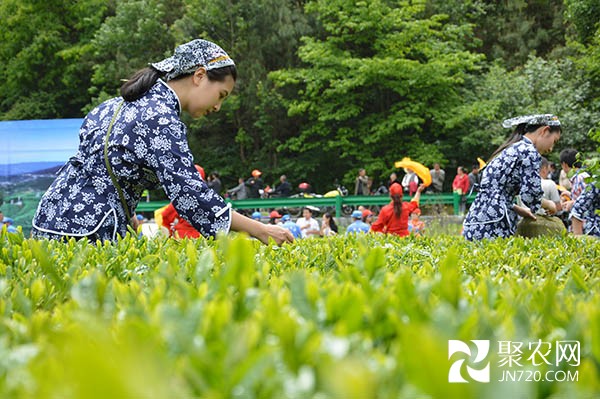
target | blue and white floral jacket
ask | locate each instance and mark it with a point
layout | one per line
(147, 147)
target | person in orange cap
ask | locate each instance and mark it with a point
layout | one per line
(274, 217)
(367, 216)
(255, 184)
(393, 218)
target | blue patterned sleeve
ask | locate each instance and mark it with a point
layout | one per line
(170, 157)
(531, 184)
(586, 203)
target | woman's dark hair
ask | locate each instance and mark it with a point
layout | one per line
(144, 79)
(332, 224)
(517, 135)
(397, 201)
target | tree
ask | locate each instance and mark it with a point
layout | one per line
(540, 86)
(138, 33)
(584, 18)
(378, 85)
(261, 36)
(43, 45)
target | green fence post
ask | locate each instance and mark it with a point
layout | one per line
(456, 202)
(338, 206)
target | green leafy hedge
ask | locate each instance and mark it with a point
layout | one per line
(344, 317)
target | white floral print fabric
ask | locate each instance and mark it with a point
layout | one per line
(515, 171)
(147, 147)
(585, 208)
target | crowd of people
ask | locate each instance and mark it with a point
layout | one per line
(517, 192)
(137, 141)
(398, 218)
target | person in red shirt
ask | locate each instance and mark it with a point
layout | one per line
(393, 218)
(178, 226)
(460, 185)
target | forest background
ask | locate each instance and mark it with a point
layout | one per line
(325, 87)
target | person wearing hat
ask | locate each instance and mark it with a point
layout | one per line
(7, 223)
(393, 217)
(255, 184)
(357, 226)
(256, 215)
(415, 225)
(274, 217)
(286, 222)
(511, 176)
(367, 216)
(138, 141)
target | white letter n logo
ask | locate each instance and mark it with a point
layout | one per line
(480, 375)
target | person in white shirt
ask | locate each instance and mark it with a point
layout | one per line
(549, 187)
(410, 182)
(308, 225)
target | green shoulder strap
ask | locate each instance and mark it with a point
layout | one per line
(109, 168)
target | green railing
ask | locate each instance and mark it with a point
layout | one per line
(338, 203)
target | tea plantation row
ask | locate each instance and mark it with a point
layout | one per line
(363, 317)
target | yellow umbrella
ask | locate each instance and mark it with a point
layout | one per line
(421, 170)
(481, 163)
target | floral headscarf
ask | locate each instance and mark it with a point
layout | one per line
(190, 56)
(538, 119)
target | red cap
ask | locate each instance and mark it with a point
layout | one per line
(396, 189)
(274, 215)
(367, 212)
(417, 211)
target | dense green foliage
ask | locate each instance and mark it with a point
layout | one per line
(363, 83)
(342, 317)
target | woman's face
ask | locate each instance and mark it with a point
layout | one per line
(207, 95)
(546, 140)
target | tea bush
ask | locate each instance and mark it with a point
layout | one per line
(345, 317)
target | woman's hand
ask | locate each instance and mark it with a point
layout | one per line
(549, 206)
(279, 234)
(524, 212)
(260, 230)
